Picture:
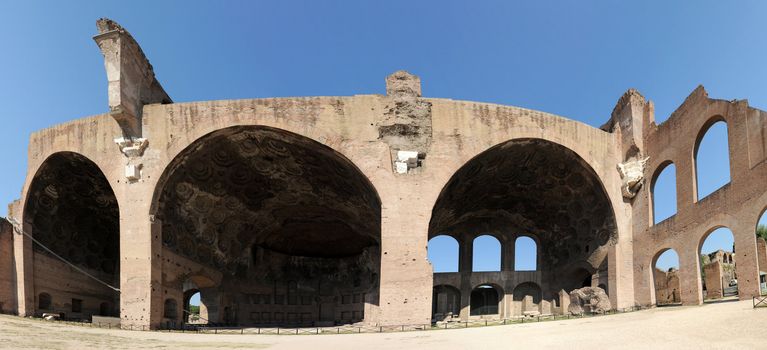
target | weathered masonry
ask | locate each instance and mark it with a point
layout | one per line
(318, 210)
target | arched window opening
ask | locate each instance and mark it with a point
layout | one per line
(44, 301)
(446, 303)
(170, 310)
(443, 253)
(484, 301)
(527, 299)
(663, 193)
(525, 254)
(712, 160)
(486, 254)
(717, 265)
(665, 276)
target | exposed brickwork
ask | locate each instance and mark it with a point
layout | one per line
(194, 216)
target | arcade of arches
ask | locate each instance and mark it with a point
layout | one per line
(523, 188)
(320, 210)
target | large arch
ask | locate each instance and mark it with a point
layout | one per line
(290, 225)
(718, 276)
(664, 277)
(537, 187)
(72, 211)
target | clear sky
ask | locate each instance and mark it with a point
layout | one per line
(572, 58)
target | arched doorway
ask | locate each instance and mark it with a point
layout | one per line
(73, 213)
(718, 276)
(484, 300)
(446, 303)
(527, 299)
(665, 277)
(291, 226)
(192, 305)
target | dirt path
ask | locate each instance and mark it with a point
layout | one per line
(730, 325)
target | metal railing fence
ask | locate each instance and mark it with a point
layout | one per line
(346, 329)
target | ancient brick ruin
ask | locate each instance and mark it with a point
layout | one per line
(317, 210)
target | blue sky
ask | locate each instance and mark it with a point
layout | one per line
(570, 58)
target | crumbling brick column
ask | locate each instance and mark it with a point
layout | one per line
(714, 288)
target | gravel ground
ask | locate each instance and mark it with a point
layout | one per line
(725, 325)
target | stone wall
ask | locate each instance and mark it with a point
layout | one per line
(7, 280)
(762, 253)
(409, 148)
(667, 287)
(714, 280)
(65, 285)
(737, 206)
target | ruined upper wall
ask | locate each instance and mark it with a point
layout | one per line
(698, 111)
(736, 206)
(132, 83)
